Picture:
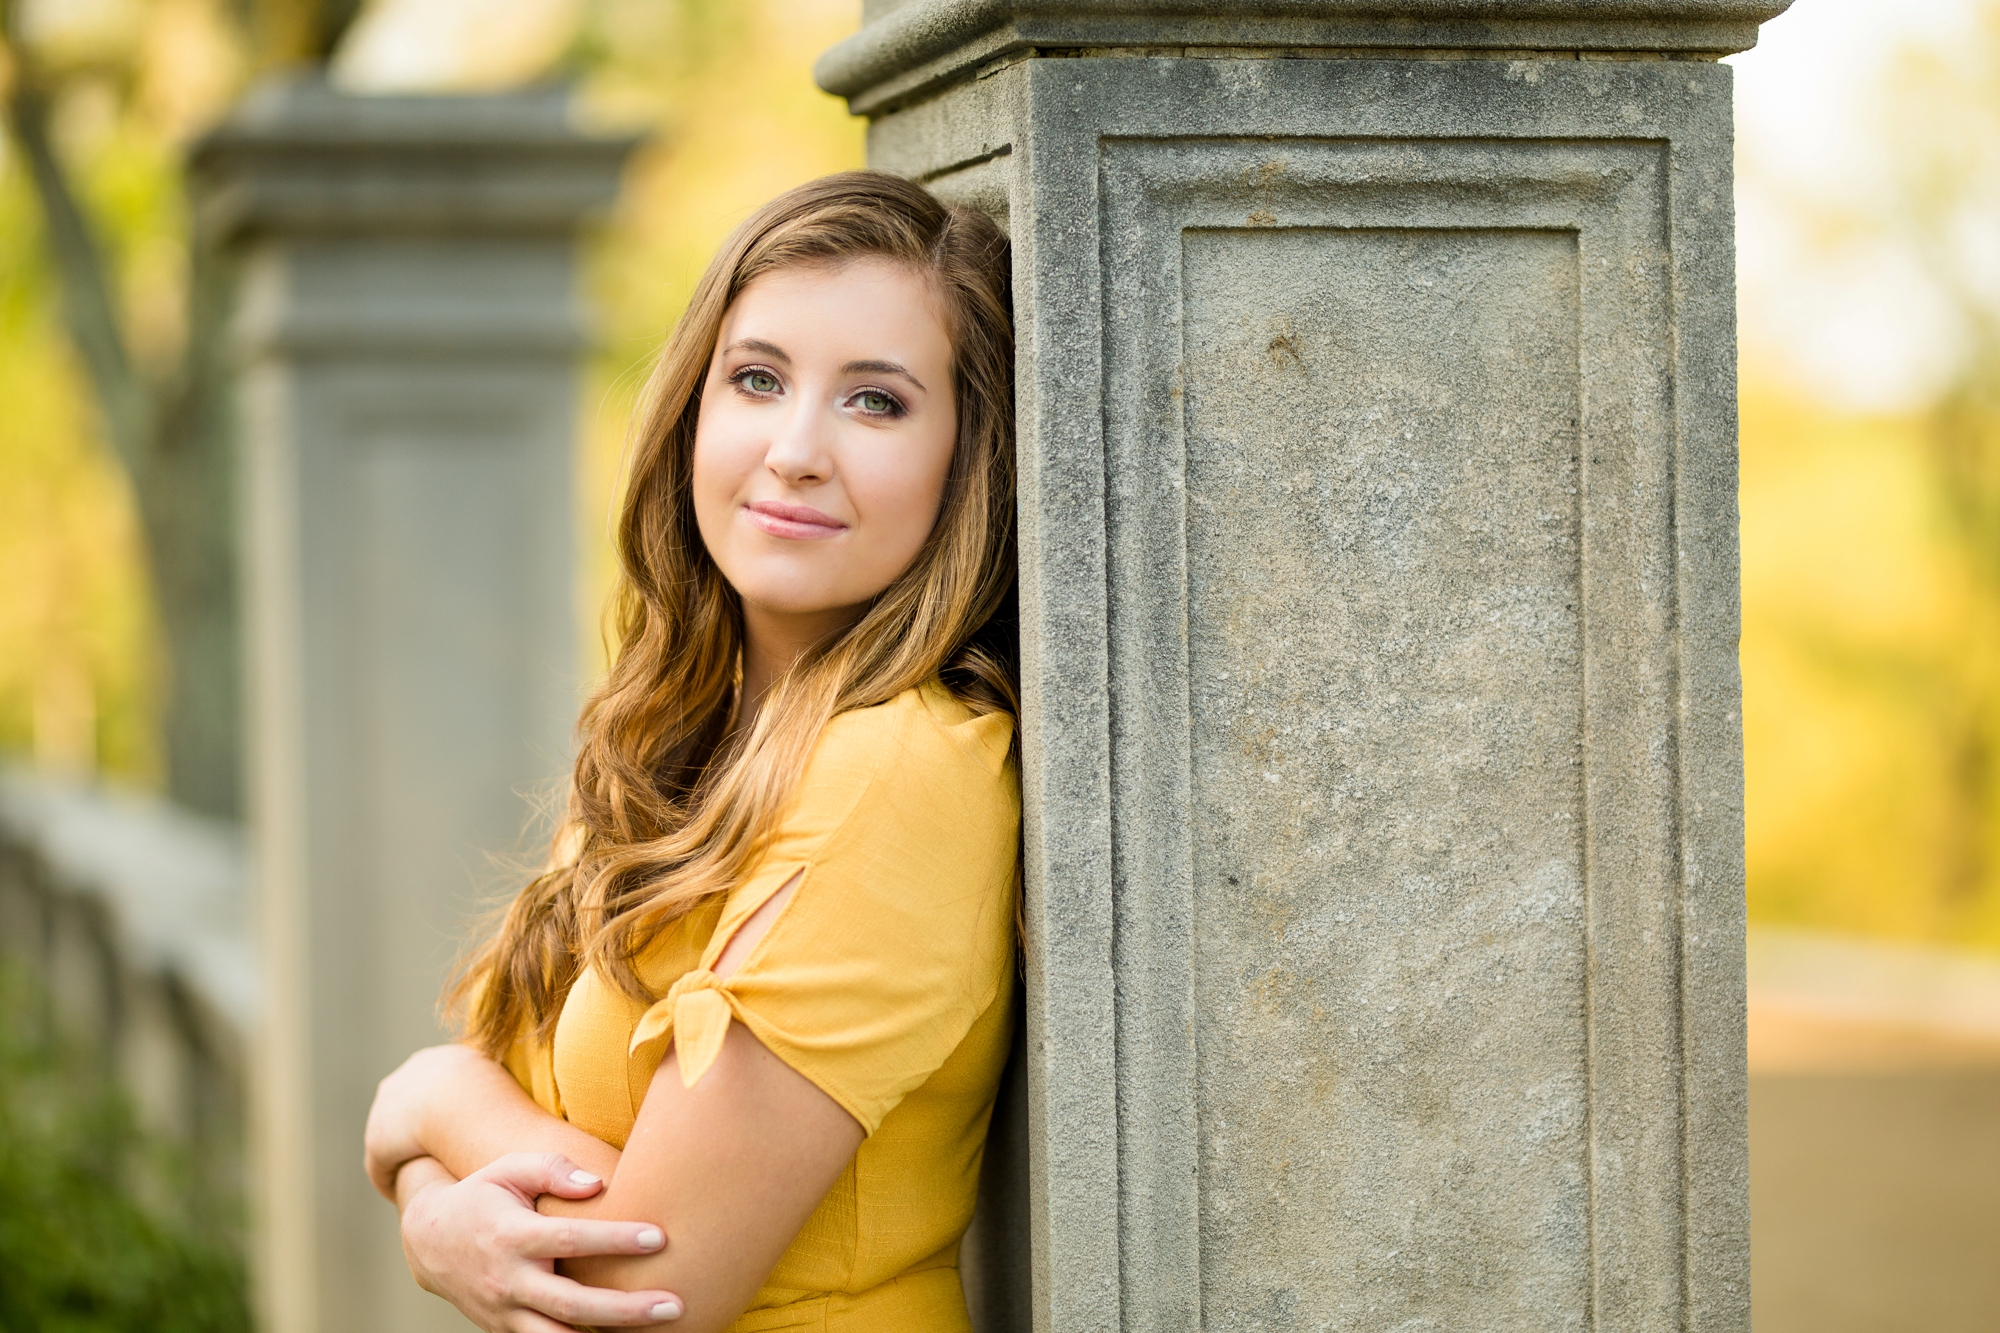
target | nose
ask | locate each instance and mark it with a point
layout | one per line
(800, 453)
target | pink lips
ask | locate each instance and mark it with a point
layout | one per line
(794, 521)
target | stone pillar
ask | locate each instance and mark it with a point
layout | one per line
(1378, 556)
(410, 334)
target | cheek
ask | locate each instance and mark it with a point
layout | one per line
(718, 468)
(908, 497)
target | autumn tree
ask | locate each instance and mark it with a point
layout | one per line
(163, 410)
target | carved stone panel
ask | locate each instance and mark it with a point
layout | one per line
(1354, 1007)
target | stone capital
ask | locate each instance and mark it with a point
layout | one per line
(300, 157)
(908, 50)
(384, 227)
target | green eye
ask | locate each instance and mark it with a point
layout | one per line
(877, 403)
(761, 381)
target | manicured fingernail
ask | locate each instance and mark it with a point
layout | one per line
(652, 1238)
(582, 1178)
(664, 1310)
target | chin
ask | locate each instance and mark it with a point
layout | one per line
(785, 599)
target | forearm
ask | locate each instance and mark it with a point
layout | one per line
(418, 1174)
(481, 1114)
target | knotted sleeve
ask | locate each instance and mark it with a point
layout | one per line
(906, 828)
(693, 1017)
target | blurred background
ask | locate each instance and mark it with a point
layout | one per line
(1868, 201)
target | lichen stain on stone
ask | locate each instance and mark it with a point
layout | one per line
(1260, 176)
(1271, 991)
(1258, 182)
(1285, 347)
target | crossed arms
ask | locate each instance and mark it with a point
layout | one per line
(712, 1185)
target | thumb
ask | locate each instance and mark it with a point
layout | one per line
(531, 1173)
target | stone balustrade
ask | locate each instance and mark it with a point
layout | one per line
(130, 919)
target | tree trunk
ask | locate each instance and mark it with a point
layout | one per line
(187, 503)
(174, 440)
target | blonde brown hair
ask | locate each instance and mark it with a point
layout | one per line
(670, 800)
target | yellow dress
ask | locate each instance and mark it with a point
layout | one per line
(887, 981)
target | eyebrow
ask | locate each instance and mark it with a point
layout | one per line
(771, 350)
(882, 368)
(777, 353)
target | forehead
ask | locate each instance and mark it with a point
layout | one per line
(821, 306)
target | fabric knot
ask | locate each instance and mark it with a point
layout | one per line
(694, 1017)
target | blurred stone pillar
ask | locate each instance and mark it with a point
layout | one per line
(410, 336)
(1378, 545)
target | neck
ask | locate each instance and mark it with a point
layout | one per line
(773, 640)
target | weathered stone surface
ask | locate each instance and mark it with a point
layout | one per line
(409, 333)
(1379, 625)
(908, 50)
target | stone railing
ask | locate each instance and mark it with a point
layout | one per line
(131, 921)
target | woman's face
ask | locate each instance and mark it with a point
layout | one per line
(827, 426)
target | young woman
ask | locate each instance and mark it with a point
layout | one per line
(730, 1061)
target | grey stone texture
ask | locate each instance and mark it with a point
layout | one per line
(910, 50)
(1381, 734)
(409, 333)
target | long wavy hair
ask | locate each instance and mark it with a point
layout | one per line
(671, 800)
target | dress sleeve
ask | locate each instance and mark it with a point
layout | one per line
(906, 826)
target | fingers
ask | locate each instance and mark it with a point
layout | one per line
(574, 1237)
(531, 1173)
(383, 1170)
(391, 1135)
(381, 1175)
(566, 1180)
(573, 1303)
(521, 1320)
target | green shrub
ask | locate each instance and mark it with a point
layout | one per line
(80, 1252)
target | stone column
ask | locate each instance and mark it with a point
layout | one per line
(1378, 556)
(410, 335)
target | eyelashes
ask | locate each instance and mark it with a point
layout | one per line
(891, 408)
(763, 382)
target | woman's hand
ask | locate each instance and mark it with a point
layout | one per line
(395, 1132)
(480, 1244)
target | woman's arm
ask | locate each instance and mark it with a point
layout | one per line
(479, 1243)
(730, 1168)
(456, 1105)
(453, 1104)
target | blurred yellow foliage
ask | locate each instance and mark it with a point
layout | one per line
(79, 660)
(1868, 659)
(1871, 547)
(75, 638)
